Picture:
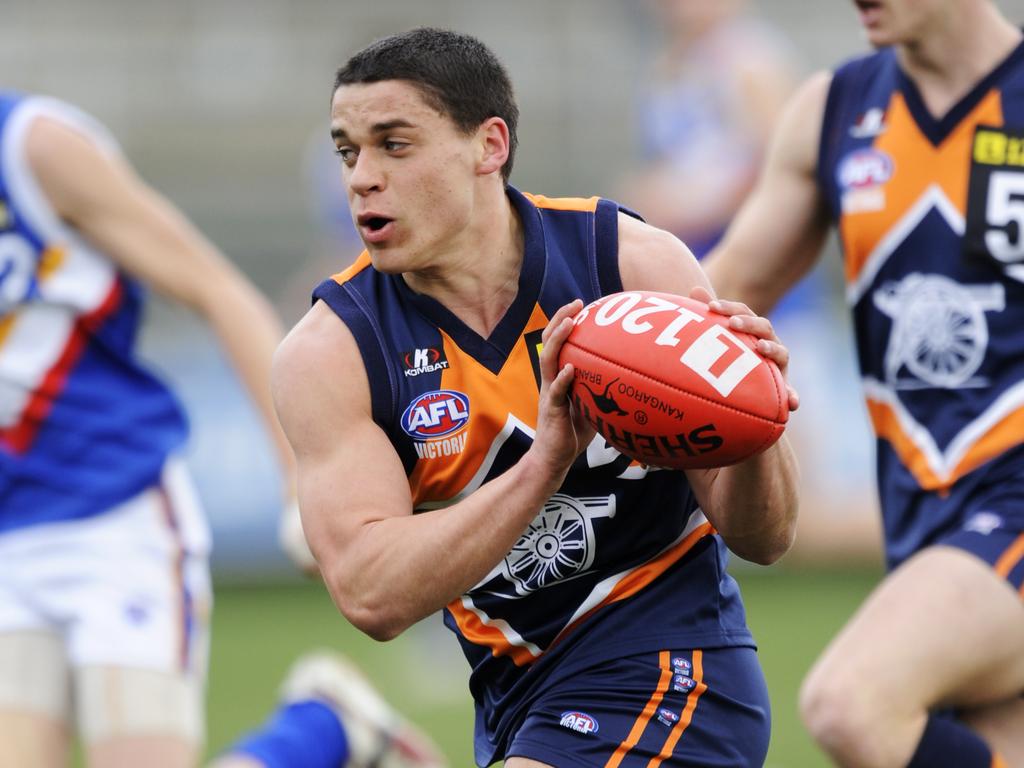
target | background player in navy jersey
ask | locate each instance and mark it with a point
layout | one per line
(104, 586)
(588, 593)
(915, 153)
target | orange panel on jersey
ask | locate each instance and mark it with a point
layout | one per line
(887, 427)
(1006, 434)
(492, 399)
(362, 262)
(920, 165)
(563, 203)
(486, 635)
(643, 575)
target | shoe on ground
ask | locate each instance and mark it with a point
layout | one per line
(378, 735)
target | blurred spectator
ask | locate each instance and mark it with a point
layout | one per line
(704, 115)
(335, 241)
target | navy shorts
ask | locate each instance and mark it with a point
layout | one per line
(995, 538)
(670, 708)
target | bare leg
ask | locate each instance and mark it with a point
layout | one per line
(34, 700)
(941, 630)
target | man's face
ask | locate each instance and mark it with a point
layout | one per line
(408, 171)
(896, 22)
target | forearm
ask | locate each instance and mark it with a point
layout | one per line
(248, 331)
(398, 570)
(754, 505)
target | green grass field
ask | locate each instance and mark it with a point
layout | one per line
(258, 631)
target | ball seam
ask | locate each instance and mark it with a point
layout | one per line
(706, 399)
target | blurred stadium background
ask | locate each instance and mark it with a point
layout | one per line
(222, 105)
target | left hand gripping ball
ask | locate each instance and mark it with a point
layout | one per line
(668, 383)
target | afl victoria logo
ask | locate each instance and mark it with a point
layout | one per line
(436, 414)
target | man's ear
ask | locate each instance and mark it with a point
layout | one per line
(494, 145)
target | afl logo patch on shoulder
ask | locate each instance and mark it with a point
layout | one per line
(436, 414)
(861, 176)
(424, 360)
(864, 168)
(580, 722)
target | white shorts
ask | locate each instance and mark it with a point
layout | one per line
(128, 588)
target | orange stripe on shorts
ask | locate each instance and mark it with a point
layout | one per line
(1010, 557)
(687, 716)
(645, 716)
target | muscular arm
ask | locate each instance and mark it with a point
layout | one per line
(385, 567)
(97, 193)
(778, 233)
(753, 505)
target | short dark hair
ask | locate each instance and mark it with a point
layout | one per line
(457, 75)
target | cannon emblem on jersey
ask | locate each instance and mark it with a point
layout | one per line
(559, 543)
(939, 331)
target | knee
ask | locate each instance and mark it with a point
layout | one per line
(843, 718)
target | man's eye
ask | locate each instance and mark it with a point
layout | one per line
(347, 154)
(394, 146)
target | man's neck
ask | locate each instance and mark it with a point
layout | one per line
(479, 278)
(952, 58)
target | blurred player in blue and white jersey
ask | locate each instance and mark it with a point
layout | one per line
(104, 585)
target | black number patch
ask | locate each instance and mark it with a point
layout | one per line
(995, 197)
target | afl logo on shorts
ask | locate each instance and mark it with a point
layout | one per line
(580, 722)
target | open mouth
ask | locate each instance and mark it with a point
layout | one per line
(374, 227)
(374, 223)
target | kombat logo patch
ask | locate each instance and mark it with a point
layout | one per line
(580, 722)
(437, 421)
(425, 360)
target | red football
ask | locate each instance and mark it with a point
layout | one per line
(668, 383)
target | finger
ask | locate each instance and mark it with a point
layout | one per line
(700, 293)
(552, 347)
(794, 398)
(558, 390)
(584, 429)
(754, 325)
(775, 352)
(567, 310)
(724, 307)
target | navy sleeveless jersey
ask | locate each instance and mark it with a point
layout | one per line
(620, 560)
(931, 220)
(83, 426)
